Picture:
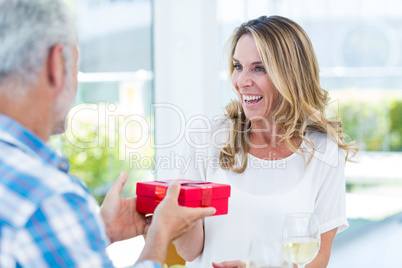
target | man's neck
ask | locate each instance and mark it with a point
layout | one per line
(28, 109)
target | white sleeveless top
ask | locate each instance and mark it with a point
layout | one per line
(265, 192)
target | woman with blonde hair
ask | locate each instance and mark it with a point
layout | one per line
(276, 148)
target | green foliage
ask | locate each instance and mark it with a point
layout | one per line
(395, 116)
(376, 123)
(95, 156)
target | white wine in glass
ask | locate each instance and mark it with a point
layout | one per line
(301, 238)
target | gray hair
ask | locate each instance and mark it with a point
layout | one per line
(28, 29)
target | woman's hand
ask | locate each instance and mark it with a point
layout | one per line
(120, 215)
(229, 264)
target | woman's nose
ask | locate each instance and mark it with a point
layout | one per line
(244, 79)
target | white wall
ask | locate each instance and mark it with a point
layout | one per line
(186, 69)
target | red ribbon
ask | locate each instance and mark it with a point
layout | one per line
(160, 193)
(206, 194)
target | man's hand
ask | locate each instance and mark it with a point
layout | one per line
(174, 219)
(120, 215)
(170, 221)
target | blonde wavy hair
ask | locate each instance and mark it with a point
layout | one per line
(289, 59)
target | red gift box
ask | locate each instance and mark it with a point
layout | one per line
(192, 194)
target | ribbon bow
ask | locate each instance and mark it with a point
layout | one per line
(206, 195)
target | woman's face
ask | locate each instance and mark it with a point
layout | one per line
(250, 79)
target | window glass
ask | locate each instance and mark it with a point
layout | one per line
(109, 128)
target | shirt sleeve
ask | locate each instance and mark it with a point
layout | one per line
(63, 232)
(330, 204)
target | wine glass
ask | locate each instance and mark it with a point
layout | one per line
(301, 238)
(266, 253)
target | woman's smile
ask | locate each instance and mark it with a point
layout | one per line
(250, 100)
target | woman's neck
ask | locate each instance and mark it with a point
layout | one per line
(264, 141)
(265, 132)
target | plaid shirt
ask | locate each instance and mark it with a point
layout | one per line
(47, 217)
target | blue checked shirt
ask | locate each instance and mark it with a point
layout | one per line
(47, 218)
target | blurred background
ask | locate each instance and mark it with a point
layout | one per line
(148, 67)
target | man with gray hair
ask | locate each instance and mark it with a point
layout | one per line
(47, 218)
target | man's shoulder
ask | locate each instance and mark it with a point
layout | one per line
(26, 181)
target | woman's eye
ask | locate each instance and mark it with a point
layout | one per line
(259, 69)
(237, 67)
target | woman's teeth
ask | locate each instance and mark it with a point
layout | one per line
(252, 99)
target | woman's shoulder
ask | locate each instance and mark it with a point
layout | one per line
(326, 148)
(321, 140)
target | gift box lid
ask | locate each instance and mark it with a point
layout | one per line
(190, 190)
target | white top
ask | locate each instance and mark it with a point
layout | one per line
(265, 192)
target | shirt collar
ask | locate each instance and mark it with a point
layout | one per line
(15, 134)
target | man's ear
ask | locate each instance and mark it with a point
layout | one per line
(55, 63)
